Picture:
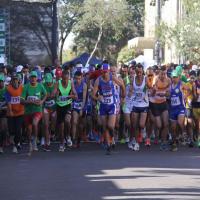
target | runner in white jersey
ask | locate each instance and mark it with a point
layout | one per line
(140, 104)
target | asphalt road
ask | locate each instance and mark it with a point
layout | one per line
(88, 174)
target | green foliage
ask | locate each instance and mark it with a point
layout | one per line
(185, 34)
(126, 54)
(117, 30)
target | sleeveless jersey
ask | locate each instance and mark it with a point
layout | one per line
(107, 90)
(176, 97)
(140, 94)
(63, 99)
(77, 104)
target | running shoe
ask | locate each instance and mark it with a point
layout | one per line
(15, 149)
(131, 145)
(35, 148)
(136, 147)
(47, 148)
(174, 147)
(122, 141)
(148, 142)
(127, 139)
(156, 141)
(61, 148)
(163, 147)
(69, 142)
(191, 144)
(139, 138)
(1, 150)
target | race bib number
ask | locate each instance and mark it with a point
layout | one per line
(32, 98)
(78, 105)
(63, 98)
(138, 96)
(49, 103)
(175, 101)
(15, 100)
(108, 100)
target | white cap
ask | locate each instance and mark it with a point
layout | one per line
(195, 67)
(19, 68)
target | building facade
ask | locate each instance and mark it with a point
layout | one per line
(170, 12)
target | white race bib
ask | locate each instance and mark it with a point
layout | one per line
(49, 103)
(63, 98)
(78, 105)
(32, 98)
(138, 96)
(108, 100)
(175, 101)
(15, 100)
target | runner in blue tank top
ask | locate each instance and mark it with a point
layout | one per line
(177, 107)
(78, 106)
(105, 86)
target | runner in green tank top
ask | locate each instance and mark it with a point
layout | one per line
(49, 112)
(65, 92)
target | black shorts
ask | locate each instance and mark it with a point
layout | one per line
(158, 108)
(62, 111)
(140, 109)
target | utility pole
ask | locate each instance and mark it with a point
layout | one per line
(54, 46)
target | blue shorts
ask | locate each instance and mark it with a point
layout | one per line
(140, 109)
(174, 113)
(107, 109)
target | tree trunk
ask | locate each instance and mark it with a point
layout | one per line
(54, 47)
(96, 45)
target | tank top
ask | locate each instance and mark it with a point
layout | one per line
(63, 99)
(77, 104)
(140, 94)
(196, 103)
(106, 89)
(176, 97)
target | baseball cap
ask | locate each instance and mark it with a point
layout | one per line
(48, 78)
(19, 68)
(105, 67)
(33, 73)
(174, 73)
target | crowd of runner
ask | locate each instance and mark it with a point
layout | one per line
(102, 103)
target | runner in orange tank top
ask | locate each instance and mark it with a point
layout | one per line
(159, 106)
(15, 110)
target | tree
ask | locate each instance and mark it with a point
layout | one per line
(126, 54)
(110, 43)
(186, 33)
(69, 14)
(102, 16)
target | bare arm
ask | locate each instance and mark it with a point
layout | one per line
(84, 95)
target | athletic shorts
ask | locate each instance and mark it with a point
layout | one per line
(140, 109)
(158, 108)
(49, 111)
(127, 108)
(107, 109)
(188, 113)
(62, 111)
(196, 113)
(28, 119)
(174, 113)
